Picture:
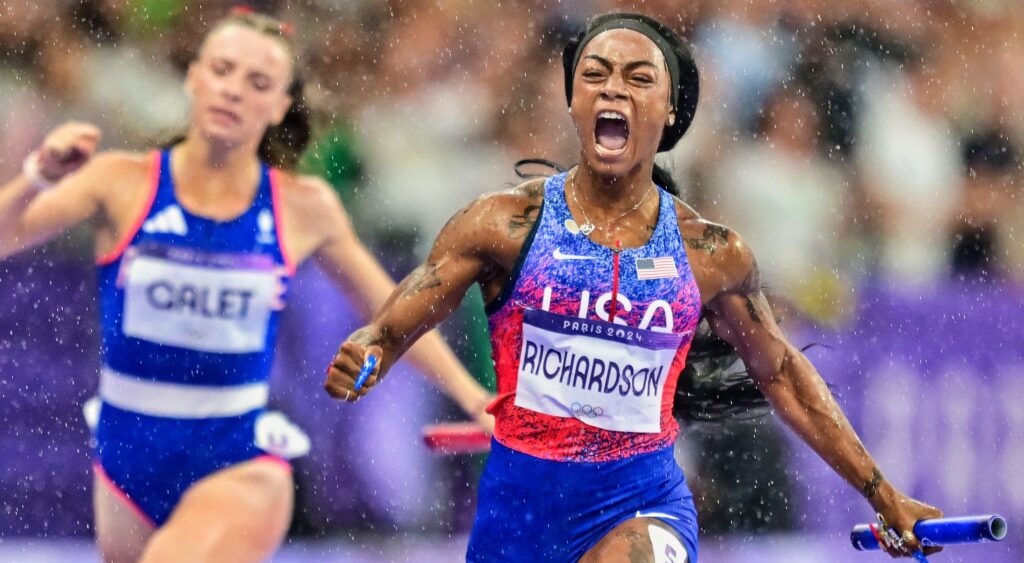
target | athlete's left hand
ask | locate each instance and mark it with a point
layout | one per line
(342, 373)
(897, 514)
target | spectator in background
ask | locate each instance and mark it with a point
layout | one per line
(339, 79)
(780, 178)
(982, 231)
(745, 60)
(424, 121)
(24, 111)
(909, 163)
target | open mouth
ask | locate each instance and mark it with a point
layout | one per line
(611, 131)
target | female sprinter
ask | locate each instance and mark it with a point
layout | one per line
(595, 280)
(195, 245)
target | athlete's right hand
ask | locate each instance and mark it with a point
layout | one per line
(66, 149)
(345, 367)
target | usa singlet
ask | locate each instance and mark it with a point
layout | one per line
(189, 312)
(588, 344)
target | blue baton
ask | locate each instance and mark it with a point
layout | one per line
(365, 371)
(940, 531)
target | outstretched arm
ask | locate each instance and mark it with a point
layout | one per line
(740, 314)
(428, 295)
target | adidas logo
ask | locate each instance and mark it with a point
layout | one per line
(169, 220)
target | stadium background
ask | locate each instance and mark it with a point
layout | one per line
(869, 150)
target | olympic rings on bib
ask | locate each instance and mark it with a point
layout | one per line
(587, 410)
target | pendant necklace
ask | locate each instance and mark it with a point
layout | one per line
(588, 227)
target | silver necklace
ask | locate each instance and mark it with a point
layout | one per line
(588, 227)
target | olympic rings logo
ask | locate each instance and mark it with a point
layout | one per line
(587, 410)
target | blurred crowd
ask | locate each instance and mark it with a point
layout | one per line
(847, 140)
(844, 138)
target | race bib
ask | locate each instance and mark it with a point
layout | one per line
(606, 375)
(198, 300)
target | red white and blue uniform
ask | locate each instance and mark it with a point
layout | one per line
(584, 428)
(189, 311)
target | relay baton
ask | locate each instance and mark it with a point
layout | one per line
(939, 531)
(367, 369)
(456, 438)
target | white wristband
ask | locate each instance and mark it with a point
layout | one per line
(30, 169)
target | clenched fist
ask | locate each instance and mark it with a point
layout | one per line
(342, 373)
(64, 150)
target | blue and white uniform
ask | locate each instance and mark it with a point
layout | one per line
(189, 314)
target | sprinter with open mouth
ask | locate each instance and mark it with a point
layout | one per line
(595, 280)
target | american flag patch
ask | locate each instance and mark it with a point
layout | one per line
(656, 268)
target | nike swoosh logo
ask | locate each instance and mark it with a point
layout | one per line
(560, 256)
(661, 515)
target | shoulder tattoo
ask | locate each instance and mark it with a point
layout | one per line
(712, 237)
(521, 223)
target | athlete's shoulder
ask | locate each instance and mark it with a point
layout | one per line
(703, 235)
(495, 225)
(687, 215)
(311, 197)
(304, 186)
(716, 250)
(118, 178)
(530, 192)
(503, 214)
(120, 163)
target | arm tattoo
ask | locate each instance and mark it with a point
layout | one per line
(871, 485)
(384, 338)
(750, 288)
(423, 278)
(752, 309)
(713, 236)
(751, 284)
(519, 225)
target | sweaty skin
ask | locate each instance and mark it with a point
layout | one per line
(482, 242)
(623, 71)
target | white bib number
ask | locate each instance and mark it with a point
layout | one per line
(606, 375)
(210, 303)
